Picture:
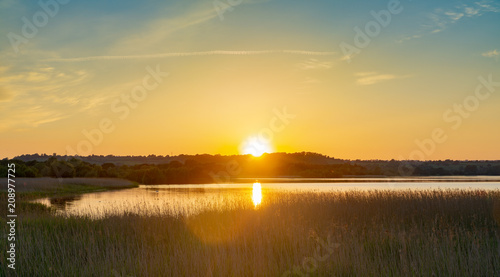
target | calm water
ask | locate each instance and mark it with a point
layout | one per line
(192, 199)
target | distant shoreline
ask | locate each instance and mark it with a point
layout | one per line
(372, 179)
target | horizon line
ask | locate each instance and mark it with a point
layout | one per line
(229, 155)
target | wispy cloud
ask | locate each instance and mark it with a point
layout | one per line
(154, 35)
(190, 16)
(364, 74)
(491, 54)
(310, 80)
(5, 94)
(440, 19)
(370, 78)
(454, 16)
(189, 54)
(39, 95)
(44, 79)
(32, 116)
(314, 64)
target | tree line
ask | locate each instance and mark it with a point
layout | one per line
(185, 169)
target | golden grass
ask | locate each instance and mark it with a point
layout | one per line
(352, 233)
(51, 184)
(32, 188)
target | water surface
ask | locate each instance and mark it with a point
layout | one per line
(193, 199)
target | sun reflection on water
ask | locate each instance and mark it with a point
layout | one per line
(257, 194)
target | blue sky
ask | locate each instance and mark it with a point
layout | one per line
(271, 54)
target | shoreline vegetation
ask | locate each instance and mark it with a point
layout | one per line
(357, 233)
(28, 189)
(373, 179)
(341, 233)
(202, 169)
(32, 188)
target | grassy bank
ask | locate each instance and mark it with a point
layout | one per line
(441, 233)
(28, 189)
(31, 188)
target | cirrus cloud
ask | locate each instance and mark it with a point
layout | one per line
(5, 94)
(370, 78)
(190, 54)
(442, 18)
(491, 54)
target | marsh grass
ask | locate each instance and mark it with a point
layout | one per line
(376, 233)
(32, 188)
(55, 184)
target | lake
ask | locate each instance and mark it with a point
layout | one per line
(192, 199)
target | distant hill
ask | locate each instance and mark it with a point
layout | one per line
(154, 159)
(206, 168)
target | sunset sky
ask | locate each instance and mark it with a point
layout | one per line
(67, 68)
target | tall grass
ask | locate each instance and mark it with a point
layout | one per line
(46, 184)
(32, 188)
(375, 233)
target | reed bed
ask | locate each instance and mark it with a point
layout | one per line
(46, 184)
(349, 233)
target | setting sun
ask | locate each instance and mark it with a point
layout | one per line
(256, 147)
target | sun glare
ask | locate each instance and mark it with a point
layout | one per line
(257, 194)
(256, 147)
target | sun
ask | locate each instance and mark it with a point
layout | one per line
(256, 146)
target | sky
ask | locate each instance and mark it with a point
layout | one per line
(348, 79)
